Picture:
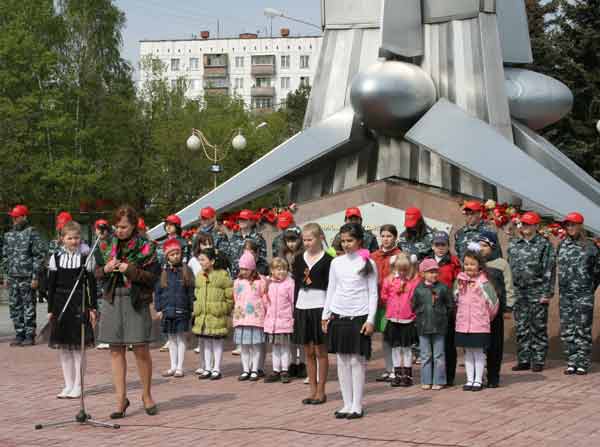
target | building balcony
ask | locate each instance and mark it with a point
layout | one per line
(262, 69)
(216, 90)
(263, 91)
(215, 72)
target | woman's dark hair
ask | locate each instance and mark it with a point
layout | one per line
(389, 228)
(285, 252)
(418, 232)
(249, 244)
(356, 231)
(220, 262)
(202, 238)
(129, 213)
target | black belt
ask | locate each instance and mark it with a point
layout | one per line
(335, 316)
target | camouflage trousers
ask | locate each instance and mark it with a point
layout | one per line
(21, 302)
(531, 321)
(576, 319)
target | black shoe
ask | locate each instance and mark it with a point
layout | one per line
(521, 367)
(261, 373)
(301, 371)
(318, 401)
(293, 370)
(120, 414)
(29, 341)
(537, 368)
(467, 387)
(216, 375)
(285, 377)
(581, 371)
(385, 377)
(477, 386)
(16, 342)
(244, 376)
(271, 378)
(340, 415)
(151, 411)
(254, 376)
(569, 371)
(307, 401)
(493, 385)
(355, 415)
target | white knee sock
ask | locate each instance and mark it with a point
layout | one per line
(68, 369)
(217, 348)
(344, 368)
(285, 357)
(180, 351)
(470, 366)
(257, 354)
(406, 357)
(387, 357)
(479, 356)
(261, 358)
(397, 357)
(245, 355)
(173, 351)
(359, 372)
(276, 358)
(208, 354)
(77, 361)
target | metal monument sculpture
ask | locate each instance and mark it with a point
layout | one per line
(429, 91)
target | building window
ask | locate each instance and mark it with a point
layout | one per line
(305, 61)
(194, 63)
(285, 83)
(262, 103)
(263, 82)
(216, 83)
(239, 61)
(174, 64)
(285, 62)
(216, 60)
(304, 81)
(263, 60)
(239, 83)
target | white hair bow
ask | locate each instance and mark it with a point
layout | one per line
(474, 246)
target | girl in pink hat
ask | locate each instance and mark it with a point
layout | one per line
(249, 316)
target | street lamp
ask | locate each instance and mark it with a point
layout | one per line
(272, 12)
(215, 153)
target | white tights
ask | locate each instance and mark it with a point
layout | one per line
(281, 357)
(70, 361)
(474, 365)
(402, 357)
(177, 351)
(213, 353)
(352, 370)
(251, 357)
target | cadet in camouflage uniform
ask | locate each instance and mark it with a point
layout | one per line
(472, 230)
(353, 215)
(532, 261)
(21, 261)
(208, 225)
(578, 264)
(285, 221)
(417, 239)
(173, 229)
(236, 243)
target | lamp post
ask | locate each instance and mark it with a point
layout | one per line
(272, 12)
(215, 153)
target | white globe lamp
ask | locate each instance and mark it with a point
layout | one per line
(193, 143)
(239, 142)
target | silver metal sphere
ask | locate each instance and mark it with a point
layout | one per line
(239, 142)
(391, 96)
(536, 99)
(193, 143)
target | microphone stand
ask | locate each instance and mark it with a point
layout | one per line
(82, 417)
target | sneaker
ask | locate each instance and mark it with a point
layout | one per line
(29, 341)
(384, 377)
(103, 346)
(164, 348)
(306, 381)
(581, 371)
(537, 368)
(178, 373)
(197, 350)
(244, 376)
(521, 367)
(168, 373)
(285, 377)
(569, 371)
(274, 377)
(215, 375)
(254, 376)
(437, 387)
(199, 371)
(236, 351)
(64, 393)
(204, 375)
(426, 387)
(75, 393)
(16, 342)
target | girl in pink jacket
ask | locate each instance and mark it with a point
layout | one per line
(249, 291)
(400, 332)
(279, 320)
(477, 304)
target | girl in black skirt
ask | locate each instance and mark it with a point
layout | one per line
(349, 317)
(311, 276)
(65, 334)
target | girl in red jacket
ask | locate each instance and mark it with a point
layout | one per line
(400, 332)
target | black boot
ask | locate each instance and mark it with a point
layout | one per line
(408, 378)
(398, 377)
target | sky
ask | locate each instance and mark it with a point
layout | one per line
(168, 19)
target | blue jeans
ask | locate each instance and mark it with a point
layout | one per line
(433, 360)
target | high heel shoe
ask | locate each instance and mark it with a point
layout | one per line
(151, 411)
(120, 414)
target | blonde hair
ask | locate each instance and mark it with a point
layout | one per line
(70, 227)
(279, 263)
(402, 261)
(314, 229)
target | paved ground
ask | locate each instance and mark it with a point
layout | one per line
(546, 409)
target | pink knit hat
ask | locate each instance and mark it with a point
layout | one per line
(428, 265)
(247, 261)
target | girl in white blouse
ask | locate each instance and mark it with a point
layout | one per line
(349, 317)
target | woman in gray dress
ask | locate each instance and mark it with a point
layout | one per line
(129, 271)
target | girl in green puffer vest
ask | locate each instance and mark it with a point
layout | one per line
(212, 309)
